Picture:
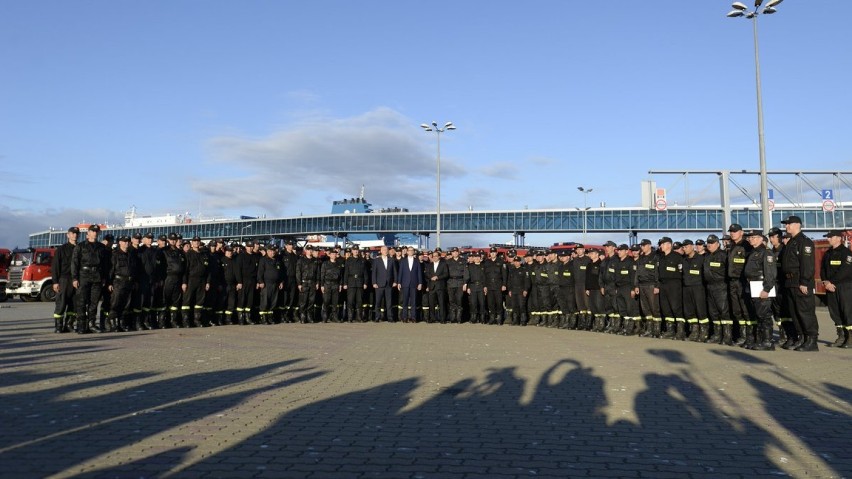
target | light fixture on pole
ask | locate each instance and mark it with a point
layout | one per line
(434, 127)
(243, 229)
(585, 192)
(741, 10)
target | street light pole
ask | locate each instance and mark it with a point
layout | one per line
(241, 232)
(585, 192)
(448, 126)
(740, 10)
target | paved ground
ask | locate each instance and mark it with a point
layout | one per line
(400, 400)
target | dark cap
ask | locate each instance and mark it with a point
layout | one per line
(179, 236)
(610, 243)
(137, 236)
(687, 242)
(309, 247)
(173, 236)
(516, 258)
(228, 248)
(775, 231)
(74, 229)
(539, 252)
(493, 249)
(726, 238)
(645, 241)
(563, 253)
(699, 242)
(512, 253)
(124, 238)
(163, 238)
(664, 239)
(184, 243)
(634, 247)
(149, 235)
(751, 233)
(291, 242)
(677, 245)
(791, 219)
(109, 237)
(355, 247)
(438, 250)
(454, 250)
(95, 228)
(211, 243)
(734, 227)
(579, 245)
(196, 238)
(594, 250)
(833, 233)
(712, 239)
(623, 246)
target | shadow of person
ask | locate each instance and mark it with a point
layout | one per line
(825, 431)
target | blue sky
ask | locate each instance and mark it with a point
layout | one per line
(277, 108)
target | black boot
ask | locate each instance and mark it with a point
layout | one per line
(703, 332)
(727, 334)
(628, 327)
(680, 333)
(841, 338)
(748, 335)
(782, 333)
(649, 329)
(572, 321)
(670, 330)
(137, 322)
(848, 343)
(616, 325)
(766, 343)
(809, 344)
(717, 334)
(693, 332)
(198, 318)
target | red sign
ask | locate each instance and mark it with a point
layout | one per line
(828, 206)
(661, 204)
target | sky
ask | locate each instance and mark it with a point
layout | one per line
(228, 108)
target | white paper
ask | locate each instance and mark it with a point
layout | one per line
(757, 286)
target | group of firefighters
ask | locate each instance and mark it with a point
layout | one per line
(729, 290)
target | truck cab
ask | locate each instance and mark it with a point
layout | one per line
(29, 275)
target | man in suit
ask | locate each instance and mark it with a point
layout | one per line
(437, 273)
(409, 282)
(384, 280)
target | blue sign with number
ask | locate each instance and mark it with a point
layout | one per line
(828, 194)
(770, 194)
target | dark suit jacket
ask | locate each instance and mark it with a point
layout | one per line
(409, 278)
(443, 273)
(383, 277)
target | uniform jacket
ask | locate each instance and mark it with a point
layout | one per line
(798, 262)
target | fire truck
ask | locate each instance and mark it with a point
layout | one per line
(29, 275)
(5, 258)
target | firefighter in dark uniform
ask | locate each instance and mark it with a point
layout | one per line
(216, 300)
(63, 312)
(518, 284)
(307, 279)
(625, 281)
(647, 288)
(121, 283)
(539, 298)
(760, 269)
(797, 263)
(474, 284)
(694, 296)
(369, 297)
(551, 281)
(716, 277)
(196, 283)
(135, 306)
(355, 284)
(495, 284)
(172, 285)
(246, 270)
(155, 259)
(671, 290)
(270, 282)
(565, 297)
(737, 254)
(106, 296)
(331, 284)
(836, 275)
(288, 298)
(595, 290)
(780, 308)
(144, 286)
(89, 270)
(578, 269)
(607, 280)
(456, 267)
(229, 277)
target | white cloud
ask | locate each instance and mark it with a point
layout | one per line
(502, 169)
(18, 224)
(381, 149)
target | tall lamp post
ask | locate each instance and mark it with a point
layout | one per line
(434, 127)
(585, 192)
(242, 230)
(741, 10)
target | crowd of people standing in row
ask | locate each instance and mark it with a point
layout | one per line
(729, 290)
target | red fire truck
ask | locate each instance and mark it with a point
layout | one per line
(5, 258)
(29, 275)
